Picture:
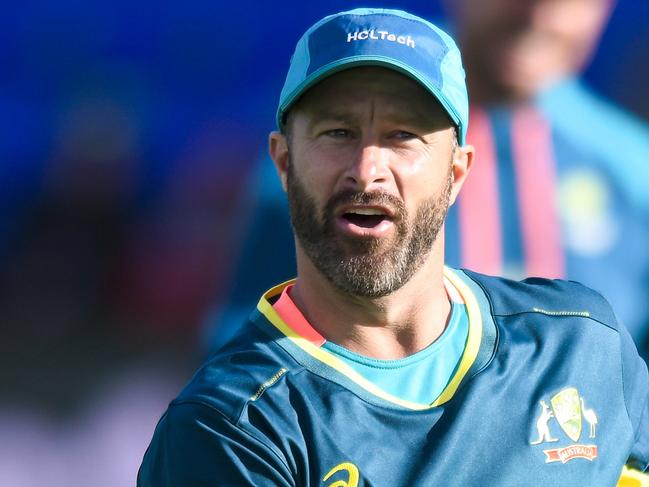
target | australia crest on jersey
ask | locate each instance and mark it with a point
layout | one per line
(568, 410)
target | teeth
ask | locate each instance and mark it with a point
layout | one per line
(366, 211)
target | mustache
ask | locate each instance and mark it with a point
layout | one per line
(378, 198)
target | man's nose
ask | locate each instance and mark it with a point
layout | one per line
(369, 168)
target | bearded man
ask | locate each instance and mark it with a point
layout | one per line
(378, 365)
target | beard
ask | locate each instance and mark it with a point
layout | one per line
(366, 267)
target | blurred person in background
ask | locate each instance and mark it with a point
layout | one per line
(560, 169)
(557, 189)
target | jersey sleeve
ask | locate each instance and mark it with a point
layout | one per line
(636, 394)
(195, 445)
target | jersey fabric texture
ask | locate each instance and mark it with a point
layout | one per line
(549, 195)
(549, 391)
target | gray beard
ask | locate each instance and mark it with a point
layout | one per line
(370, 267)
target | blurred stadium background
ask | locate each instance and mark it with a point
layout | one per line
(126, 132)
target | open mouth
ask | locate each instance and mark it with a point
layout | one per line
(366, 221)
(365, 217)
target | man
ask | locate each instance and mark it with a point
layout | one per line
(378, 365)
(559, 190)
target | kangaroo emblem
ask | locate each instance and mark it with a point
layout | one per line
(542, 426)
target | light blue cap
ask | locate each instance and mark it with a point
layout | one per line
(380, 37)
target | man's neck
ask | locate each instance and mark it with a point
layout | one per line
(389, 327)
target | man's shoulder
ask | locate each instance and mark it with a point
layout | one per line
(238, 373)
(207, 431)
(548, 297)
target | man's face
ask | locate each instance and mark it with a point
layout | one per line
(514, 48)
(368, 178)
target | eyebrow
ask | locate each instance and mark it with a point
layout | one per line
(326, 115)
(419, 116)
(413, 117)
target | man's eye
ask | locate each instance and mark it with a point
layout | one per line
(403, 135)
(338, 133)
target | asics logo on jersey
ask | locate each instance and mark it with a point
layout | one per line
(352, 475)
(380, 35)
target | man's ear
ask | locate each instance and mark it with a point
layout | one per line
(278, 150)
(462, 162)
